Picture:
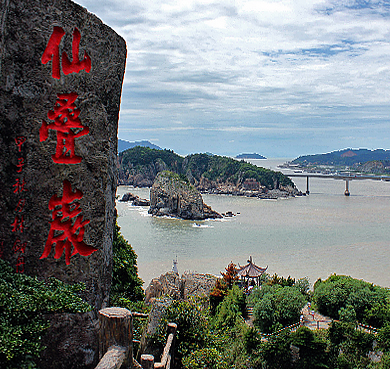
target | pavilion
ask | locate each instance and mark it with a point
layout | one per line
(250, 272)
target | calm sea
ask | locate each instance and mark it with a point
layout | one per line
(311, 236)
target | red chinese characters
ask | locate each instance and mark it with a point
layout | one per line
(68, 126)
(19, 248)
(52, 52)
(67, 227)
(19, 141)
(19, 225)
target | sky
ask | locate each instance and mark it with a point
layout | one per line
(280, 78)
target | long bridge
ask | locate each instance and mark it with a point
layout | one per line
(345, 177)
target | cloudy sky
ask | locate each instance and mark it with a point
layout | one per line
(281, 78)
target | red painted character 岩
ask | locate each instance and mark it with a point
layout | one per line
(67, 227)
(68, 126)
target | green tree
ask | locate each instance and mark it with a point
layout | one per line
(232, 308)
(276, 307)
(370, 302)
(276, 352)
(126, 285)
(312, 349)
(348, 346)
(192, 326)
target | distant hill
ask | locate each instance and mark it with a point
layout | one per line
(250, 156)
(124, 145)
(345, 157)
(140, 165)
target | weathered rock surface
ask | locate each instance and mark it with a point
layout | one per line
(172, 196)
(158, 309)
(58, 145)
(161, 293)
(180, 288)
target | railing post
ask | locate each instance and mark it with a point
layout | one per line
(172, 328)
(147, 361)
(116, 329)
(307, 186)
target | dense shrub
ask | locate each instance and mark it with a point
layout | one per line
(126, 285)
(340, 294)
(312, 349)
(348, 347)
(23, 302)
(276, 306)
(192, 326)
(233, 307)
(276, 352)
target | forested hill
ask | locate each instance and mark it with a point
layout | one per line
(139, 166)
(345, 157)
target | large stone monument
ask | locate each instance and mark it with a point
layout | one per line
(61, 74)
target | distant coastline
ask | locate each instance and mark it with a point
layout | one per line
(250, 156)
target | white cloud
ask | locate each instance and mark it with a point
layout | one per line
(285, 60)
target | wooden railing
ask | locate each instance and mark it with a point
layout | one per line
(147, 361)
(115, 339)
(116, 342)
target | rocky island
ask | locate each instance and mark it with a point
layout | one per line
(210, 174)
(250, 156)
(172, 195)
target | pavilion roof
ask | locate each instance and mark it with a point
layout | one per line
(250, 270)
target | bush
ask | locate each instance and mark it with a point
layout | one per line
(276, 307)
(276, 352)
(192, 327)
(205, 358)
(370, 302)
(232, 308)
(126, 285)
(312, 349)
(23, 302)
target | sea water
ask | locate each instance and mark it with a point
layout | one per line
(310, 236)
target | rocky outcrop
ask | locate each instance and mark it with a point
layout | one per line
(158, 309)
(136, 200)
(170, 195)
(162, 292)
(171, 285)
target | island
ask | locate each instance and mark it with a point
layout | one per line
(212, 174)
(250, 156)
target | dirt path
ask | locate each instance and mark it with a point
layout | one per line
(314, 322)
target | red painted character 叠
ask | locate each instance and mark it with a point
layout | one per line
(67, 227)
(52, 52)
(68, 126)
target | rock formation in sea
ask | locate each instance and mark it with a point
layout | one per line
(171, 195)
(135, 200)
